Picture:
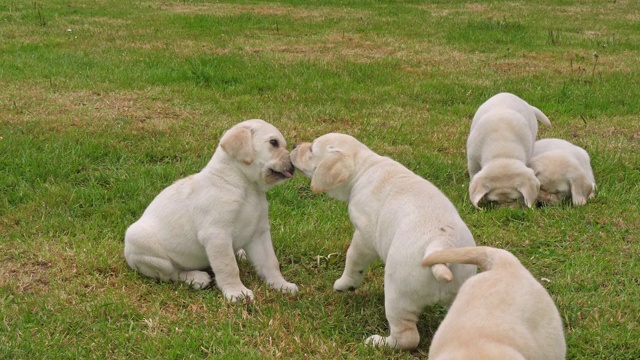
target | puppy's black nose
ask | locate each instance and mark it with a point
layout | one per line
(295, 146)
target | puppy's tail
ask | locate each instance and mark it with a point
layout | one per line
(442, 272)
(486, 257)
(540, 116)
(439, 270)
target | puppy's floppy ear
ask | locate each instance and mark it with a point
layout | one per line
(238, 143)
(529, 188)
(477, 190)
(332, 171)
(581, 190)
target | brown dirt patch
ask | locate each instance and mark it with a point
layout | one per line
(87, 109)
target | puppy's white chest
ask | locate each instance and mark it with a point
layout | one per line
(251, 219)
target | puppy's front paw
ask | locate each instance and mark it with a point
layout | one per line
(242, 295)
(345, 284)
(375, 341)
(285, 287)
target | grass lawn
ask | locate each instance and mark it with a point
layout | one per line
(104, 103)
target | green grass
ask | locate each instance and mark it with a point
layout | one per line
(105, 103)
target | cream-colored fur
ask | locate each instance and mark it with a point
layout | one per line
(564, 171)
(499, 147)
(202, 220)
(398, 217)
(500, 313)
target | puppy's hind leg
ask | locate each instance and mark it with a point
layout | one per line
(402, 316)
(164, 270)
(196, 278)
(144, 254)
(359, 256)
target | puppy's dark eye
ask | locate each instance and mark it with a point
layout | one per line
(274, 143)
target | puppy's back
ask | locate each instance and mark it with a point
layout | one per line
(546, 145)
(512, 102)
(502, 312)
(556, 161)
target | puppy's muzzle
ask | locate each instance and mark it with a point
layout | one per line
(284, 174)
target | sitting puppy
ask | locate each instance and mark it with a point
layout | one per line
(564, 171)
(202, 220)
(501, 313)
(399, 217)
(499, 146)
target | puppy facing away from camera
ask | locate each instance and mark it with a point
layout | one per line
(499, 147)
(398, 217)
(201, 221)
(564, 171)
(500, 313)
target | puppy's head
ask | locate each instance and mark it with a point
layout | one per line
(561, 178)
(504, 182)
(261, 150)
(329, 160)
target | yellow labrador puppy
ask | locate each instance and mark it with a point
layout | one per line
(564, 171)
(501, 313)
(398, 217)
(202, 220)
(499, 147)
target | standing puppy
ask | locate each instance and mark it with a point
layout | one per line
(564, 171)
(501, 313)
(202, 220)
(499, 147)
(399, 217)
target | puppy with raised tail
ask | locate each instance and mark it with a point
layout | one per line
(501, 313)
(564, 171)
(202, 220)
(398, 217)
(499, 147)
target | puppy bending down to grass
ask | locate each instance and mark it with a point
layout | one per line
(564, 171)
(499, 147)
(501, 313)
(202, 220)
(398, 217)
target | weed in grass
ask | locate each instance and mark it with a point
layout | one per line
(554, 37)
(41, 19)
(595, 63)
